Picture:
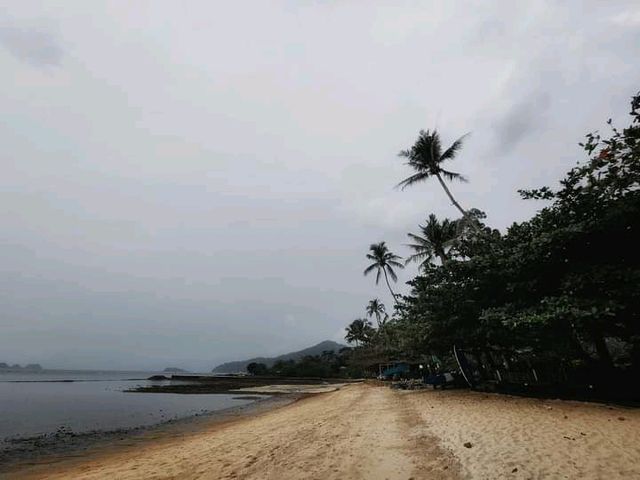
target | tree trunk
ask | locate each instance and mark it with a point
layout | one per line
(395, 299)
(601, 348)
(574, 340)
(464, 213)
(442, 256)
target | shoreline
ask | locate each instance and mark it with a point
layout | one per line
(266, 392)
(233, 385)
(367, 431)
(19, 452)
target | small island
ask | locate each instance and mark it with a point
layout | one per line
(31, 367)
(174, 370)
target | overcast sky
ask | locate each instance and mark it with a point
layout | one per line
(184, 183)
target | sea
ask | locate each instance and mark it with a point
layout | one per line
(79, 401)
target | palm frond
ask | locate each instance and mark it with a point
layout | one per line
(452, 175)
(418, 247)
(435, 148)
(394, 263)
(370, 268)
(438, 237)
(392, 274)
(450, 242)
(455, 147)
(419, 257)
(421, 241)
(413, 179)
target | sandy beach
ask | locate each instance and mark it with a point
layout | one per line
(365, 431)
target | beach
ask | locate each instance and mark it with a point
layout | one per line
(365, 431)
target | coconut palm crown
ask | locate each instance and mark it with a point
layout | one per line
(359, 331)
(436, 240)
(426, 157)
(384, 262)
(376, 308)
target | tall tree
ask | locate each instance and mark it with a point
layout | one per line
(359, 331)
(376, 308)
(426, 158)
(552, 284)
(436, 240)
(383, 262)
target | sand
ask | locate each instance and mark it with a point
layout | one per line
(271, 389)
(542, 439)
(370, 432)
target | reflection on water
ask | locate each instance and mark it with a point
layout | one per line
(39, 403)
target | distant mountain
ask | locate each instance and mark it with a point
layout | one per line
(241, 366)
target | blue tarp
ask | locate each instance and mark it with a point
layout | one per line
(397, 370)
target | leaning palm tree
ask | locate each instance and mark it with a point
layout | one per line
(436, 240)
(383, 262)
(376, 307)
(426, 158)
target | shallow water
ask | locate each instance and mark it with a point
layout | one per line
(40, 403)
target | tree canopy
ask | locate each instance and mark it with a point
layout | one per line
(562, 285)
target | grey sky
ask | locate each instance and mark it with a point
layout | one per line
(184, 184)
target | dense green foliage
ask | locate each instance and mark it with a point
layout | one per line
(359, 331)
(257, 368)
(327, 365)
(563, 286)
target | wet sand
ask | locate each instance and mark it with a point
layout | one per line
(370, 432)
(21, 453)
(192, 384)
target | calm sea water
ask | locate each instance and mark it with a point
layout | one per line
(40, 403)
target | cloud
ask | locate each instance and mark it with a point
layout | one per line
(630, 18)
(38, 47)
(522, 119)
(206, 187)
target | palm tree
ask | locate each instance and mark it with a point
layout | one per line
(436, 240)
(376, 307)
(426, 158)
(383, 262)
(359, 331)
